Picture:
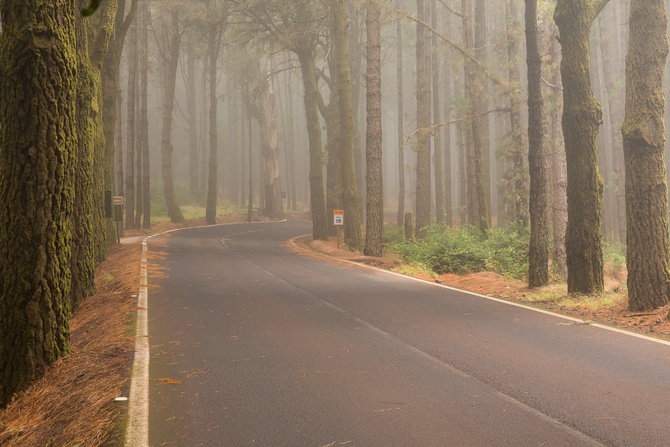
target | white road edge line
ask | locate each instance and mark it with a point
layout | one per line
(499, 300)
(137, 430)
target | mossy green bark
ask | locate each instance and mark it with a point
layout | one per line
(38, 140)
(643, 142)
(582, 117)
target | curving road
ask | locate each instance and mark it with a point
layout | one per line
(253, 344)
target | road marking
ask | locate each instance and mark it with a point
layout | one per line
(498, 300)
(137, 430)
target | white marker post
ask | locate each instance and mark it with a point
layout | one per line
(338, 221)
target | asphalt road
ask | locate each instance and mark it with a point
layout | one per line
(253, 344)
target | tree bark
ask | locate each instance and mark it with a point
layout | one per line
(374, 204)
(438, 165)
(518, 176)
(38, 140)
(423, 124)
(317, 193)
(144, 114)
(643, 141)
(129, 193)
(266, 116)
(477, 198)
(352, 223)
(401, 123)
(538, 254)
(213, 46)
(170, 64)
(582, 116)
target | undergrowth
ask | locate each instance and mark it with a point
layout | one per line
(465, 250)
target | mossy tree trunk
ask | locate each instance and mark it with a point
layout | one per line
(374, 204)
(38, 140)
(538, 253)
(643, 142)
(350, 199)
(582, 117)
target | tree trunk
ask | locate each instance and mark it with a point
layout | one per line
(401, 123)
(374, 228)
(38, 140)
(192, 121)
(352, 223)
(480, 106)
(170, 65)
(538, 254)
(438, 132)
(614, 97)
(582, 116)
(423, 124)
(517, 177)
(144, 114)
(559, 182)
(213, 44)
(477, 200)
(118, 189)
(129, 193)
(317, 193)
(266, 116)
(644, 139)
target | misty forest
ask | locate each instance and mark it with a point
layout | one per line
(418, 118)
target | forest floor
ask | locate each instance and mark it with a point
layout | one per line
(75, 403)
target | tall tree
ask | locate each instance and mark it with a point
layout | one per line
(265, 111)
(131, 107)
(477, 197)
(143, 119)
(121, 21)
(374, 228)
(423, 122)
(296, 26)
(438, 166)
(615, 108)
(170, 61)
(582, 115)
(518, 174)
(38, 140)
(538, 255)
(213, 48)
(644, 139)
(350, 199)
(401, 122)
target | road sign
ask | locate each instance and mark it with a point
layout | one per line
(118, 200)
(338, 217)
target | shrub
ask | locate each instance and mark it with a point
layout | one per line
(466, 250)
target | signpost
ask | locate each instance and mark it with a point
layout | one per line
(117, 201)
(338, 221)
